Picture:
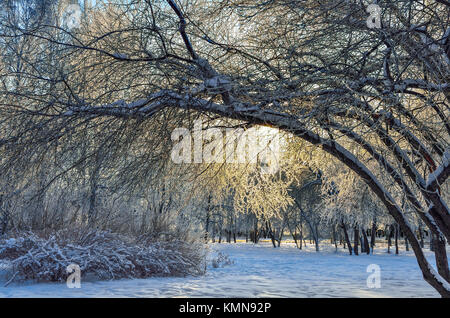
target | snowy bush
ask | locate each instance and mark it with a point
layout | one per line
(221, 260)
(103, 255)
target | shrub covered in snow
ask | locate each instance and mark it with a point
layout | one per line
(221, 260)
(101, 254)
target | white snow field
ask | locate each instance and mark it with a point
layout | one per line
(262, 271)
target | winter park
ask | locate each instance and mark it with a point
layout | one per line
(224, 149)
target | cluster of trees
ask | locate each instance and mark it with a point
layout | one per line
(86, 114)
(330, 204)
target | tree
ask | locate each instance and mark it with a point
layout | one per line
(313, 70)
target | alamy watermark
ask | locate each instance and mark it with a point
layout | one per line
(74, 279)
(374, 279)
(71, 17)
(257, 145)
(374, 19)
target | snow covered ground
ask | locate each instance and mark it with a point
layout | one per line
(262, 271)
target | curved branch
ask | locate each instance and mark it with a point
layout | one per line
(182, 29)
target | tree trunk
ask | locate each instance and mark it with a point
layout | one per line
(213, 235)
(373, 236)
(422, 243)
(4, 217)
(301, 232)
(432, 241)
(347, 239)
(356, 240)
(234, 230)
(440, 255)
(208, 216)
(280, 235)
(271, 235)
(389, 235)
(294, 236)
(366, 243)
(220, 229)
(230, 227)
(255, 231)
(334, 238)
(316, 237)
(396, 239)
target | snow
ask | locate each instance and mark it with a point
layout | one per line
(432, 178)
(263, 271)
(120, 56)
(439, 278)
(10, 242)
